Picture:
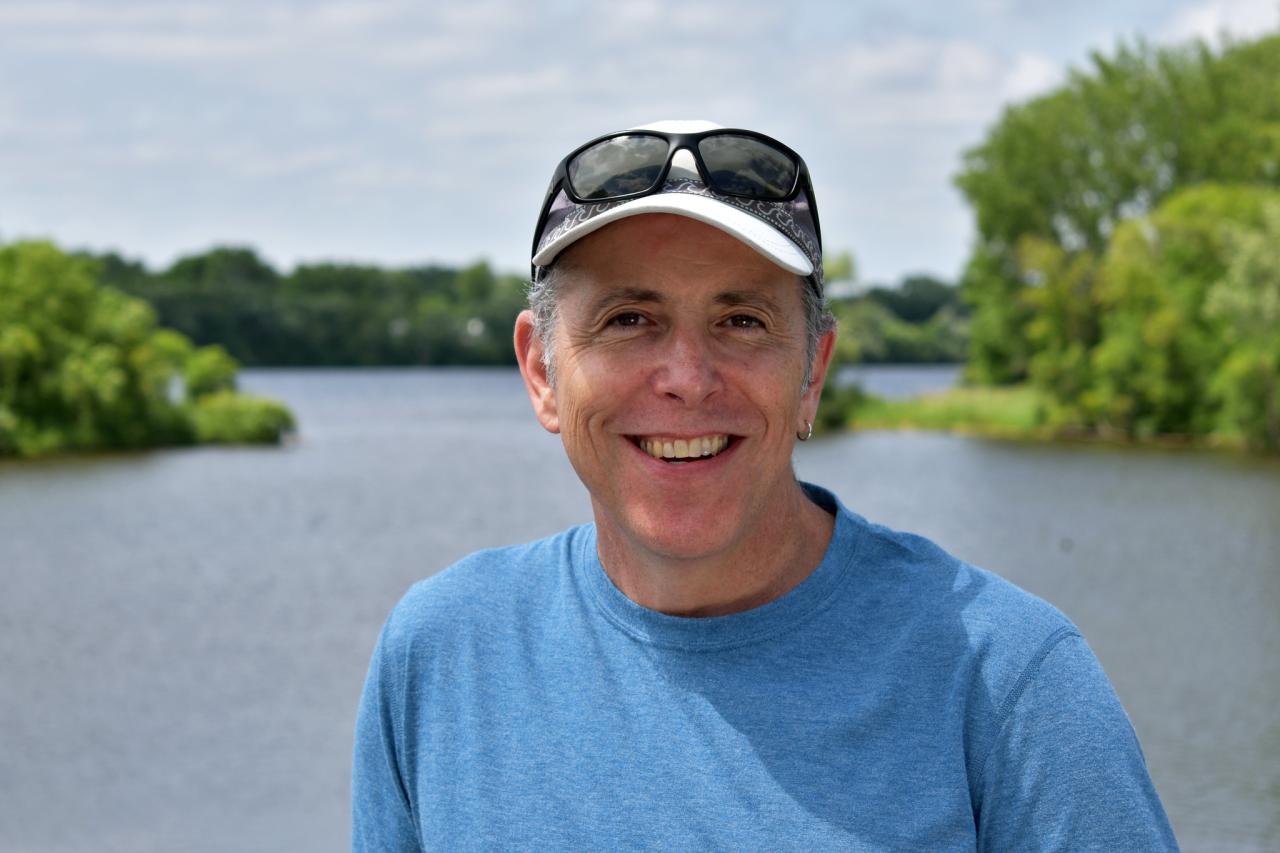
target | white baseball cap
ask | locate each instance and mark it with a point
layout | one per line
(784, 231)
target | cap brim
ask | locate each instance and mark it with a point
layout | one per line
(755, 232)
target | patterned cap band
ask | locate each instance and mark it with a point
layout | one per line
(791, 218)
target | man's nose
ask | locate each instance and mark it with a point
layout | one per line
(687, 371)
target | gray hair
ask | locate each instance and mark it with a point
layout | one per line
(544, 301)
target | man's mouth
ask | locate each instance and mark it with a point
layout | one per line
(676, 450)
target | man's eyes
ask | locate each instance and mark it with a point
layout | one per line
(626, 318)
(631, 319)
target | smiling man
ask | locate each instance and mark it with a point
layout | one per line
(727, 658)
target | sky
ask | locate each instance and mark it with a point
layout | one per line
(401, 132)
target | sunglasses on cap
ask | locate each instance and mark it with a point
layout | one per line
(630, 164)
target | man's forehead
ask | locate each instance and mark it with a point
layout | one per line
(598, 296)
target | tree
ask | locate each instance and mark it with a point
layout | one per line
(1247, 300)
(81, 366)
(84, 366)
(917, 297)
(1159, 346)
(1061, 291)
(1070, 166)
(209, 370)
(330, 313)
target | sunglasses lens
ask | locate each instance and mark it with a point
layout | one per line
(618, 166)
(744, 166)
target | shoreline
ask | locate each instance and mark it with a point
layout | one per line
(1007, 414)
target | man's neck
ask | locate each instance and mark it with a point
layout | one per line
(779, 553)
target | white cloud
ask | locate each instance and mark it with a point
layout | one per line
(66, 14)
(1211, 19)
(996, 8)
(716, 25)
(915, 82)
(490, 86)
(1031, 75)
(167, 47)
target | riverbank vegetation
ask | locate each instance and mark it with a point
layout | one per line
(921, 320)
(1126, 274)
(329, 314)
(86, 367)
(332, 314)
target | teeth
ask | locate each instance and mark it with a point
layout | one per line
(681, 448)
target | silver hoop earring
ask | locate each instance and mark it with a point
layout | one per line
(807, 434)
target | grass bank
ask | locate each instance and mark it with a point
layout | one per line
(1011, 412)
(998, 412)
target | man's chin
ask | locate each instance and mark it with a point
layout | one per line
(676, 536)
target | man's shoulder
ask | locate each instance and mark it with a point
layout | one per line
(493, 583)
(913, 570)
(953, 608)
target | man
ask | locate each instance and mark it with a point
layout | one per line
(726, 659)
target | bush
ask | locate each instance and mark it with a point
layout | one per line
(85, 367)
(209, 370)
(839, 406)
(225, 417)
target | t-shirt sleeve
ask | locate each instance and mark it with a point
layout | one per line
(381, 817)
(1065, 771)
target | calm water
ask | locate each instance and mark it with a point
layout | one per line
(901, 380)
(183, 634)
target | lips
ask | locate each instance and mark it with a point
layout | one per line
(695, 447)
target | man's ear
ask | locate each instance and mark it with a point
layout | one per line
(821, 361)
(529, 355)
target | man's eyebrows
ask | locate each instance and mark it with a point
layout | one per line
(751, 298)
(622, 295)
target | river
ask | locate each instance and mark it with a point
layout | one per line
(184, 633)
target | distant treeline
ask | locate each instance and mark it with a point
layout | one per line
(332, 314)
(1127, 264)
(329, 313)
(920, 321)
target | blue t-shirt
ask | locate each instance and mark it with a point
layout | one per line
(896, 699)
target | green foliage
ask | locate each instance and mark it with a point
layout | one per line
(917, 298)
(208, 370)
(1063, 328)
(1159, 346)
(1124, 262)
(1171, 334)
(82, 366)
(1246, 300)
(999, 352)
(839, 406)
(1070, 166)
(1174, 331)
(870, 332)
(331, 314)
(229, 418)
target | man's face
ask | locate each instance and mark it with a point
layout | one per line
(676, 338)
